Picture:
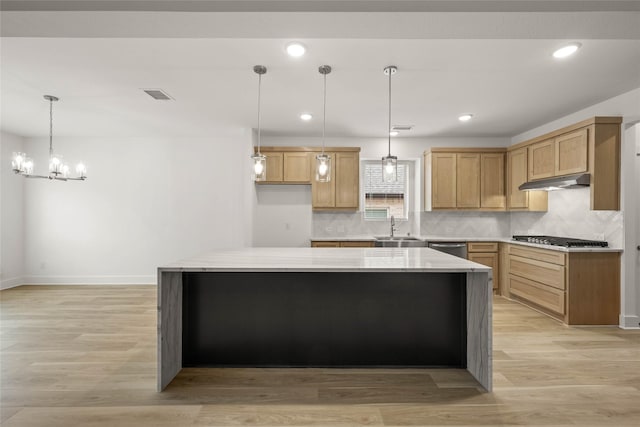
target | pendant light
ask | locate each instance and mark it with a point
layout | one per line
(323, 161)
(58, 170)
(390, 163)
(259, 161)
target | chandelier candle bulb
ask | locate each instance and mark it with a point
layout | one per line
(18, 162)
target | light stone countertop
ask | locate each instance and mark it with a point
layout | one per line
(474, 239)
(326, 260)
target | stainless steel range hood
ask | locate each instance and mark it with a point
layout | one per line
(559, 183)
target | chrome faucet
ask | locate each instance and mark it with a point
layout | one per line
(393, 225)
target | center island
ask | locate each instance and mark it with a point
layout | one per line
(325, 307)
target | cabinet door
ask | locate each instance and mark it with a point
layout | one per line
(297, 167)
(347, 177)
(490, 260)
(274, 167)
(542, 159)
(468, 180)
(443, 180)
(492, 194)
(571, 153)
(323, 194)
(517, 175)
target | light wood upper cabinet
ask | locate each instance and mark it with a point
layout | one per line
(571, 153)
(468, 180)
(274, 167)
(591, 146)
(465, 178)
(443, 180)
(323, 194)
(297, 168)
(542, 159)
(492, 193)
(347, 173)
(343, 191)
(517, 175)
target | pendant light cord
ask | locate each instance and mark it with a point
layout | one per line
(389, 130)
(259, 90)
(50, 127)
(324, 110)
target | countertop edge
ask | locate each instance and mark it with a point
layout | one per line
(470, 239)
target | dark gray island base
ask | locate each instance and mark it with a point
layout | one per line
(396, 309)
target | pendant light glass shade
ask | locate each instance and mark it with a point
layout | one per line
(389, 162)
(58, 170)
(259, 165)
(390, 169)
(323, 168)
(323, 160)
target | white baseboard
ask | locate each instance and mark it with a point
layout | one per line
(89, 280)
(11, 283)
(630, 322)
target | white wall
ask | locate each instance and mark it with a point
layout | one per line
(627, 106)
(146, 202)
(11, 211)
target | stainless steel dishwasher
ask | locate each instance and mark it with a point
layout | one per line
(458, 249)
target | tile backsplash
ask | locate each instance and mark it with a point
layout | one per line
(568, 215)
(464, 224)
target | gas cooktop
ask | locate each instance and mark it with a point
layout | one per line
(567, 242)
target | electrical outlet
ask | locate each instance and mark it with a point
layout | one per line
(328, 229)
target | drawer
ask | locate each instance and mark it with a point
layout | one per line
(482, 247)
(543, 272)
(545, 296)
(553, 257)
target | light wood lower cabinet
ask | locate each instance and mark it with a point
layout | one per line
(342, 244)
(578, 288)
(486, 253)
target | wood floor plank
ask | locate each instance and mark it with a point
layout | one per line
(86, 356)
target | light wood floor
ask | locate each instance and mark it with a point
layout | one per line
(86, 356)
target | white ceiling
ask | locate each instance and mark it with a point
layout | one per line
(504, 74)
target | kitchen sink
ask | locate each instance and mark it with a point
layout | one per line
(396, 238)
(399, 242)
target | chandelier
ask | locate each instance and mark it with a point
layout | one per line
(58, 169)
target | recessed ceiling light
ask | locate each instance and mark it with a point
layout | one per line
(306, 117)
(465, 117)
(394, 133)
(567, 50)
(296, 49)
